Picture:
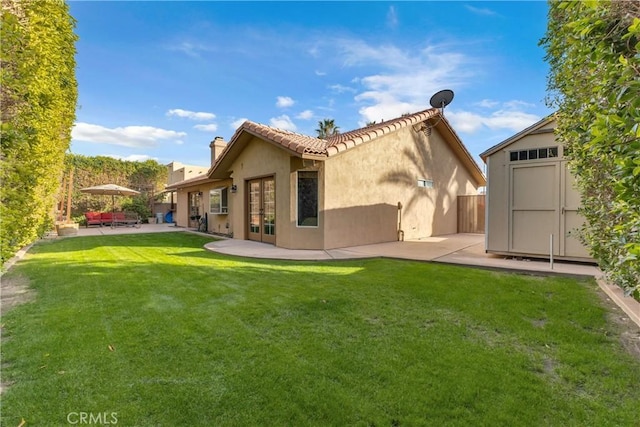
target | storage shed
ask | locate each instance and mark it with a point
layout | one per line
(532, 203)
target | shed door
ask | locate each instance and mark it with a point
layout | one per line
(542, 202)
(534, 208)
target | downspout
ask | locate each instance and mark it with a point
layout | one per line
(400, 231)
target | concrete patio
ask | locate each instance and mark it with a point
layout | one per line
(143, 228)
(465, 249)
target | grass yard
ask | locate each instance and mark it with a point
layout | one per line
(151, 330)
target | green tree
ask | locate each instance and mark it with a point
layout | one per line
(327, 128)
(39, 94)
(593, 48)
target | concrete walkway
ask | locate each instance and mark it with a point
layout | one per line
(143, 228)
(462, 249)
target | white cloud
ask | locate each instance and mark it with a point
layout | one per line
(468, 122)
(487, 103)
(236, 123)
(191, 49)
(513, 120)
(354, 52)
(407, 78)
(283, 122)
(128, 136)
(314, 51)
(284, 102)
(384, 107)
(480, 11)
(305, 115)
(507, 115)
(517, 104)
(192, 115)
(392, 17)
(465, 121)
(320, 73)
(207, 128)
(338, 88)
(330, 105)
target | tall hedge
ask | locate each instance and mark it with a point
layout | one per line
(39, 95)
(148, 177)
(593, 48)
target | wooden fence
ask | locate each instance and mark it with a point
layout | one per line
(471, 214)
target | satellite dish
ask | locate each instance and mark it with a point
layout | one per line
(441, 99)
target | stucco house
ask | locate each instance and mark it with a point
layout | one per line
(200, 196)
(532, 203)
(394, 180)
(176, 172)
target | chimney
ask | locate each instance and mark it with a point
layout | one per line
(217, 146)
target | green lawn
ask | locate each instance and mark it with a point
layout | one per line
(154, 331)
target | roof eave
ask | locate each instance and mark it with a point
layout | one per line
(463, 154)
(189, 183)
(314, 156)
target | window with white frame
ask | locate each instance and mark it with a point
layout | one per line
(307, 198)
(218, 201)
(425, 183)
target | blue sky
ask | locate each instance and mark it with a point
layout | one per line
(159, 80)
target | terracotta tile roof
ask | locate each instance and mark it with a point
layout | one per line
(305, 144)
(347, 140)
(312, 147)
(293, 141)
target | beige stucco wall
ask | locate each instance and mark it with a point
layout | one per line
(261, 159)
(364, 185)
(359, 191)
(181, 215)
(216, 223)
(219, 223)
(179, 172)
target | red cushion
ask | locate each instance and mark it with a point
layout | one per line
(92, 216)
(105, 216)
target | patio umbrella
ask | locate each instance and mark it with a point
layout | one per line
(110, 189)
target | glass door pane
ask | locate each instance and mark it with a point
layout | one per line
(261, 212)
(254, 209)
(269, 206)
